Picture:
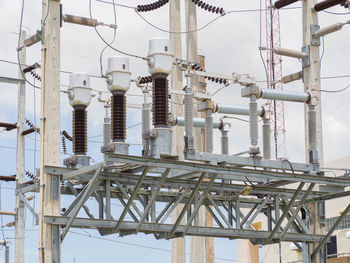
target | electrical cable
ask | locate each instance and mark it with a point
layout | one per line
(114, 36)
(218, 90)
(121, 5)
(333, 91)
(136, 245)
(19, 46)
(100, 36)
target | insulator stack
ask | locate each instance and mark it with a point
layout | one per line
(80, 20)
(79, 130)
(160, 101)
(152, 6)
(328, 3)
(118, 111)
(217, 80)
(35, 75)
(209, 8)
(64, 145)
(31, 176)
(145, 80)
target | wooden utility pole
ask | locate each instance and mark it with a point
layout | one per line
(21, 109)
(312, 84)
(49, 235)
(178, 245)
(196, 243)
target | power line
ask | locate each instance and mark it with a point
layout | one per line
(137, 245)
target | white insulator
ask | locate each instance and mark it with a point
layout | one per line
(118, 74)
(289, 52)
(253, 119)
(328, 29)
(271, 94)
(160, 56)
(79, 92)
(197, 122)
(235, 110)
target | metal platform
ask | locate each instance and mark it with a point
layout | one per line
(234, 194)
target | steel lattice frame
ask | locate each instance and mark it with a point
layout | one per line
(254, 187)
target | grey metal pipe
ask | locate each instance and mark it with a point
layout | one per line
(107, 126)
(188, 108)
(313, 156)
(209, 131)
(253, 119)
(7, 254)
(236, 110)
(224, 142)
(266, 138)
(197, 122)
(271, 94)
(146, 119)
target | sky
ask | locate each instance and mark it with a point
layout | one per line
(230, 44)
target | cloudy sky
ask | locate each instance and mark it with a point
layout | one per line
(230, 45)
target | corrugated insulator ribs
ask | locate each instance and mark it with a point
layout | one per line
(152, 6)
(208, 7)
(160, 101)
(79, 130)
(118, 125)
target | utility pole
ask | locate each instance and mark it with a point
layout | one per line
(312, 84)
(49, 235)
(196, 243)
(178, 244)
(21, 108)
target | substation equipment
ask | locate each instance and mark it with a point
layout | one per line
(234, 189)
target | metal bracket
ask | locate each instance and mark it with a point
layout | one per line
(306, 60)
(31, 209)
(315, 41)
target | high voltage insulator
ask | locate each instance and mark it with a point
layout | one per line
(329, 3)
(64, 146)
(31, 125)
(31, 176)
(35, 75)
(207, 7)
(217, 80)
(160, 100)
(152, 6)
(79, 130)
(144, 80)
(118, 108)
(80, 20)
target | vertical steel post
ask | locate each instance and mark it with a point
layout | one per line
(7, 254)
(266, 138)
(209, 131)
(146, 120)
(312, 84)
(107, 125)
(20, 231)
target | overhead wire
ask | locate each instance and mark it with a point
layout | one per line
(101, 37)
(136, 245)
(114, 37)
(19, 46)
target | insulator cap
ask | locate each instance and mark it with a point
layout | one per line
(79, 92)
(160, 56)
(118, 75)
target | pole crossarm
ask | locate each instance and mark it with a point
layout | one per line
(192, 231)
(239, 174)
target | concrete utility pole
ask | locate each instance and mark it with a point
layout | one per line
(49, 235)
(312, 84)
(196, 243)
(208, 147)
(178, 245)
(21, 109)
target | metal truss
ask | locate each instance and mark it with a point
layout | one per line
(235, 195)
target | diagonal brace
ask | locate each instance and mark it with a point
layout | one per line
(200, 201)
(187, 205)
(31, 209)
(131, 199)
(125, 194)
(153, 199)
(85, 194)
(297, 209)
(330, 232)
(178, 201)
(257, 212)
(285, 212)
